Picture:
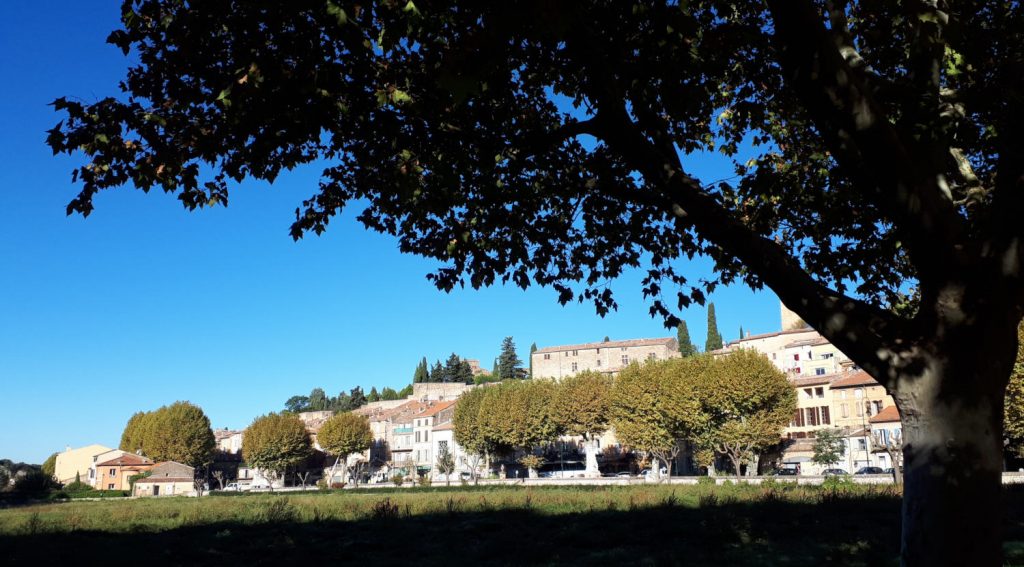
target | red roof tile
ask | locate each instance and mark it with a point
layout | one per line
(859, 378)
(125, 460)
(887, 415)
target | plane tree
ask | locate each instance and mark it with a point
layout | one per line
(876, 183)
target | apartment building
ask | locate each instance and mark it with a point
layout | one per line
(858, 397)
(608, 357)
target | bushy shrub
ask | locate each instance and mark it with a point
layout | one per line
(706, 481)
(398, 479)
(337, 485)
(424, 480)
(34, 483)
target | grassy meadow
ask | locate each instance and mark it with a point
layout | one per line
(654, 525)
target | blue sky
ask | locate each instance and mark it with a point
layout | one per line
(144, 303)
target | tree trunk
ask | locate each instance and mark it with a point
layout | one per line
(952, 410)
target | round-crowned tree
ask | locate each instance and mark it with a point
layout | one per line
(274, 442)
(344, 434)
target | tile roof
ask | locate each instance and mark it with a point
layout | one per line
(813, 341)
(833, 379)
(888, 414)
(770, 335)
(609, 344)
(437, 408)
(125, 460)
(859, 378)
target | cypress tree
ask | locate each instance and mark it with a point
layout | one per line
(686, 347)
(373, 396)
(533, 349)
(421, 374)
(741, 332)
(714, 341)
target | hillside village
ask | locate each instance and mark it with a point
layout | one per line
(410, 433)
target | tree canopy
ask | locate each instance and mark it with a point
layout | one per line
(179, 432)
(344, 434)
(876, 182)
(686, 346)
(582, 404)
(275, 442)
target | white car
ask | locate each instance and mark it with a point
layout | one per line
(235, 487)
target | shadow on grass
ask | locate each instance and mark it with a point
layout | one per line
(850, 530)
(853, 531)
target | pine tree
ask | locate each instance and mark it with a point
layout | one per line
(465, 373)
(405, 392)
(508, 360)
(358, 399)
(533, 349)
(437, 373)
(453, 369)
(714, 341)
(388, 394)
(686, 347)
(373, 396)
(421, 374)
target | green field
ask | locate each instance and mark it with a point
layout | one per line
(654, 525)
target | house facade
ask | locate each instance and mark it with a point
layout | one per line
(167, 479)
(77, 463)
(608, 357)
(115, 474)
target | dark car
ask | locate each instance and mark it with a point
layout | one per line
(870, 470)
(834, 472)
(784, 472)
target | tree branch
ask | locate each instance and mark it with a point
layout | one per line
(856, 327)
(908, 189)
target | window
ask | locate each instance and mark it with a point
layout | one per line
(442, 446)
(827, 355)
(110, 486)
(798, 418)
(575, 353)
(625, 359)
(623, 349)
(425, 436)
(826, 419)
(547, 357)
(598, 351)
(819, 392)
(842, 394)
(599, 362)
(113, 472)
(775, 356)
(566, 353)
(860, 409)
(819, 371)
(796, 356)
(812, 416)
(858, 393)
(807, 393)
(844, 409)
(867, 408)
(574, 367)
(861, 445)
(417, 436)
(652, 356)
(878, 406)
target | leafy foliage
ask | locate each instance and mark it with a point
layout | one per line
(1013, 412)
(746, 400)
(344, 434)
(49, 466)
(275, 442)
(517, 414)
(582, 404)
(179, 432)
(421, 374)
(829, 446)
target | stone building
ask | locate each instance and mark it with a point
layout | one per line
(608, 357)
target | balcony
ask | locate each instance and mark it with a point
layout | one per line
(400, 430)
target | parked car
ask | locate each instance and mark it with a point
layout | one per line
(870, 470)
(785, 471)
(624, 475)
(891, 470)
(834, 472)
(236, 487)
